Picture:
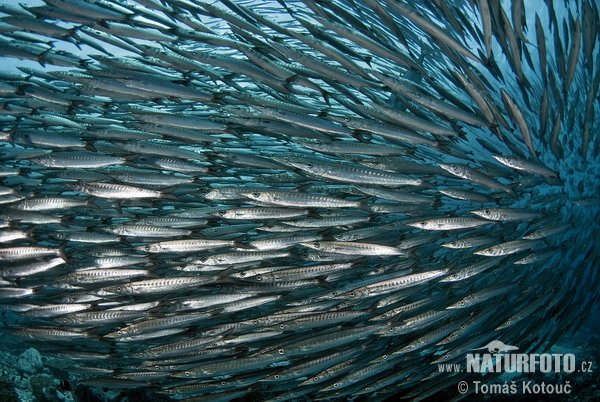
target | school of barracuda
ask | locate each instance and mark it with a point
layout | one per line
(318, 198)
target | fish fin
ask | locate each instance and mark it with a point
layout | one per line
(91, 202)
(425, 183)
(323, 283)
(224, 273)
(365, 207)
(238, 243)
(29, 233)
(64, 220)
(304, 187)
(372, 308)
(358, 134)
(166, 193)
(295, 256)
(313, 214)
(410, 253)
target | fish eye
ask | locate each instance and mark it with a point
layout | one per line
(336, 385)
(281, 326)
(276, 376)
(423, 224)
(222, 213)
(309, 165)
(119, 333)
(256, 194)
(487, 211)
(187, 373)
(147, 247)
(259, 278)
(281, 351)
(317, 244)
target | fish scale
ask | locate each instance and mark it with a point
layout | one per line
(197, 115)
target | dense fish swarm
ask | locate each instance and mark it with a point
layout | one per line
(319, 198)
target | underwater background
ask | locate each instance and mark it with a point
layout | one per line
(336, 200)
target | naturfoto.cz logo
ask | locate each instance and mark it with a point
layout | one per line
(498, 360)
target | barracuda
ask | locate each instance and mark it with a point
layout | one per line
(358, 147)
(118, 191)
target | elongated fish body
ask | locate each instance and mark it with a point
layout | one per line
(184, 246)
(29, 252)
(547, 231)
(118, 191)
(356, 175)
(475, 176)
(507, 214)
(353, 248)
(30, 268)
(393, 284)
(47, 204)
(466, 195)
(447, 224)
(525, 165)
(510, 247)
(416, 123)
(78, 160)
(471, 270)
(154, 286)
(147, 231)
(90, 276)
(299, 199)
(481, 296)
